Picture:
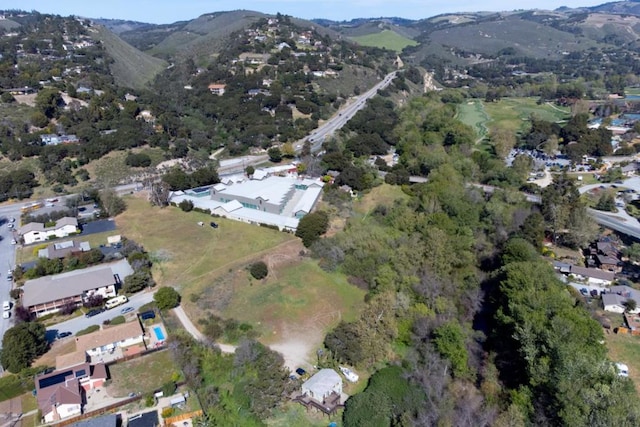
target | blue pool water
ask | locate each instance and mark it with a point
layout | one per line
(159, 334)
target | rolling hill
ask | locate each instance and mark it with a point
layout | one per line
(386, 39)
(130, 67)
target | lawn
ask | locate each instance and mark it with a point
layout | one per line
(514, 113)
(384, 194)
(187, 256)
(626, 349)
(472, 113)
(294, 415)
(297, 298)
(142, 375)
(386, 39)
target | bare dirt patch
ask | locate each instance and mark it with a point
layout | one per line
(58, 348)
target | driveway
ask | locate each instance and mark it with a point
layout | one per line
(100, 226)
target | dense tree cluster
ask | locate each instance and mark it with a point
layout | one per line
(22, 344)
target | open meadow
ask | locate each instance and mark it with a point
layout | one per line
(511, 114)
(626, 349)
(385, 39)
(291, 309)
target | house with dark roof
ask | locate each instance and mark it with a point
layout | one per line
(608, 263)
(593, 276)
(148, 419)
(60, 394)
(109, 420)
(48, 294)
(615, 300)
(62, 249)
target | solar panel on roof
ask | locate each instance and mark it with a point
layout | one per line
(54, 379)
(81, 373)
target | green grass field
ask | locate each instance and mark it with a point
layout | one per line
(141, 375)
(632, 90)
(384, 194)
(626, 349)
(514, 113)
(298, 295)
(386, 39)
(472, 113)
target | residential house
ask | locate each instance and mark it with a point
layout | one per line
(615, 300)
(49, 294)
(631, 169)
(109, 420)
(37, 232)
(148, 419)
(62, 249)
(53, 139)
(323, 391)
(60, 394)
(111, 338)
(217, 88)
(593, 276)
(608, 263)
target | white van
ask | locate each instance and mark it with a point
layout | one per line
(114, 302)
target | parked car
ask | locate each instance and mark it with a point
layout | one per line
(6, 314)
(213, 224)
(300, 371)
(148, 315)
(126, 310)
(584, 291)
(6, 305)
(594, 293)
(94, 312)
(63, 334)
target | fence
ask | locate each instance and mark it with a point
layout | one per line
(98, 411)
(170, 420)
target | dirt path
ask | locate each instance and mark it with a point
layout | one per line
(191, 328)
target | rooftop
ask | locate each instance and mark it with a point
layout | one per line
(592, 272)
(109, 335)
(323, 382)
(73, 283)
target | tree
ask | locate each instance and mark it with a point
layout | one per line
(275, 155)
(632, 252)
(259, 270)
(166, 298)
(312, 226)
(111, 202)
(186, 205)
(249, 170)
(159, 194)
(138, 281)
(606, 202)
(503, 142)
(22, 344)
(449, 341)
(630, 305)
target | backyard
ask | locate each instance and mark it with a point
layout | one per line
(626, 349)
(142, 375)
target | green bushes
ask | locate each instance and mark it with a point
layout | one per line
(259, 270)
(166, 298)
(88, 330)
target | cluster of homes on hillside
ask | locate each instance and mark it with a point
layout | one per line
(603, 263)
(274, 196)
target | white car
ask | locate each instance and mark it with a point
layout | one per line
(13, 242)
(6, 306)
(6, 314)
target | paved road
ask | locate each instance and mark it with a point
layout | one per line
(76, 324)
(345, 114)
(317, 137)
(7, 257)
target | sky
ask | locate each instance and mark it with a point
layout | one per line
(169, 11)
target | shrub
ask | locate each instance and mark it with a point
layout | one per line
(166, 298)
(149, 400)
(167, 412)
(169, 388)
(118, 320)
(259, 270)
(186, 205)
(88, 330)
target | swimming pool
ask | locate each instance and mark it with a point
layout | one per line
(159, 334)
